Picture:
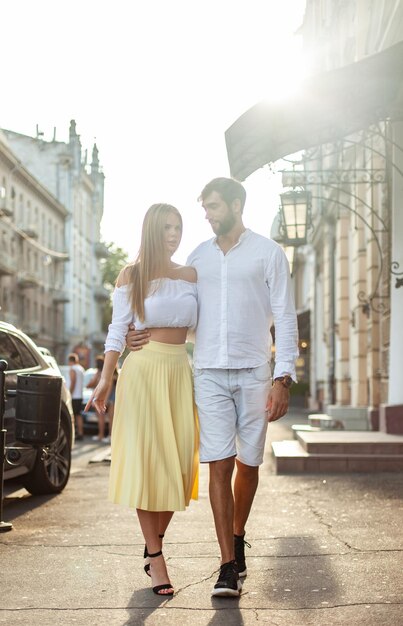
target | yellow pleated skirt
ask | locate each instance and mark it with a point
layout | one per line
(155, 435)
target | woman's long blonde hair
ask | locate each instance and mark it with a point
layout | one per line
(151, 261)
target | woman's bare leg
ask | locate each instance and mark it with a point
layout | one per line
(149, 522)
(163, 523)
(164, 520)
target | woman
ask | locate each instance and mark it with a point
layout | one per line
(154, 438)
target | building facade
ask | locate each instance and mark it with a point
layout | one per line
(32, 253)
(355, 258)
(63, 170)
(339, 143)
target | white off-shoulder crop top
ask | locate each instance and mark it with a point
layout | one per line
(172, 303)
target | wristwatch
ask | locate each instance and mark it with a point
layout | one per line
(286, 381)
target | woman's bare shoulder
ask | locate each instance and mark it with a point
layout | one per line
(185, 272)
(124, 276)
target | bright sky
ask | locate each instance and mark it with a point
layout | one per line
(157, 83)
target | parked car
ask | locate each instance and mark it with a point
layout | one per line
(41, 469)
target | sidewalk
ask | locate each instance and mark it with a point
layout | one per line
(326, 549)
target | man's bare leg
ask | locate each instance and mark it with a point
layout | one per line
(79, 422)
(222, 504)
(246, 482)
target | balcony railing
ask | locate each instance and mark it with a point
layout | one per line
(27, 280)
(6, 207)
(60, 296)
(11, 318)
(8, 264)
(101, 293)
(32, 328)
(63, 259)
(30, 231)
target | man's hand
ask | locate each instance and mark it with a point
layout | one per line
(277, 402)
(136, 339)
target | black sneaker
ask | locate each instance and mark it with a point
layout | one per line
(239, 547)
(228, 583)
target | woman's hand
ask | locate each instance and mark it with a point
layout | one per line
(135, 339)
(99, 397)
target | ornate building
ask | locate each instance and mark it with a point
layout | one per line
(79, 188)
(344, 131)
(32, 253)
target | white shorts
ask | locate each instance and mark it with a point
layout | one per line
(231, 404)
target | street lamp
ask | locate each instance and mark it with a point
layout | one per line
(295, 215)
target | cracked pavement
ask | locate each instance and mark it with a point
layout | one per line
(326, 549)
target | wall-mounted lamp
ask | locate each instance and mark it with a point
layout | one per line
(295, 215)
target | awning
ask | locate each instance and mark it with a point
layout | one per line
(327, 107)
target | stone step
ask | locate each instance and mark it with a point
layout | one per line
(296, 428)
(324, 421)
(350, 442)
(292, 458)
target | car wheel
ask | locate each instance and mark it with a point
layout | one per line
(52, 466)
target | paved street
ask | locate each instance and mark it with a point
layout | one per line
(326, 549)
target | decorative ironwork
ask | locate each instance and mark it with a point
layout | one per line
(298, 173)
(302, 178)
(399, 281)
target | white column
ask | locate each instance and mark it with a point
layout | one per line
(396, 295)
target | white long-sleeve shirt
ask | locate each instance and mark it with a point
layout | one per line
(240, 294)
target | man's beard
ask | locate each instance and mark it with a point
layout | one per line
(226, 224)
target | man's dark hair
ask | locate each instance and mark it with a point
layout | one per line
(73, 357)
(228, 188)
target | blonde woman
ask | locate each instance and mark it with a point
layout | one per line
(155, 436)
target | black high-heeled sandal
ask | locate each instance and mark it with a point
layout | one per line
(159, 588)
(146, 555)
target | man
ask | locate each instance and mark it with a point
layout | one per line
(243, 287)
(76, 390)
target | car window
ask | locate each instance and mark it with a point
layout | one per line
(14, 351)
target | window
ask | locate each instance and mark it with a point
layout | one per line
(14, 351)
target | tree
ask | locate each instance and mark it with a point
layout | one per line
(116, 260)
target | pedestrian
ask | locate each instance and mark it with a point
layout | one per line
(243, 284)
(99, 364)
(155, 434)
(76, 373)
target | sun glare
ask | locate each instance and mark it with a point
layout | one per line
(159, 102)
